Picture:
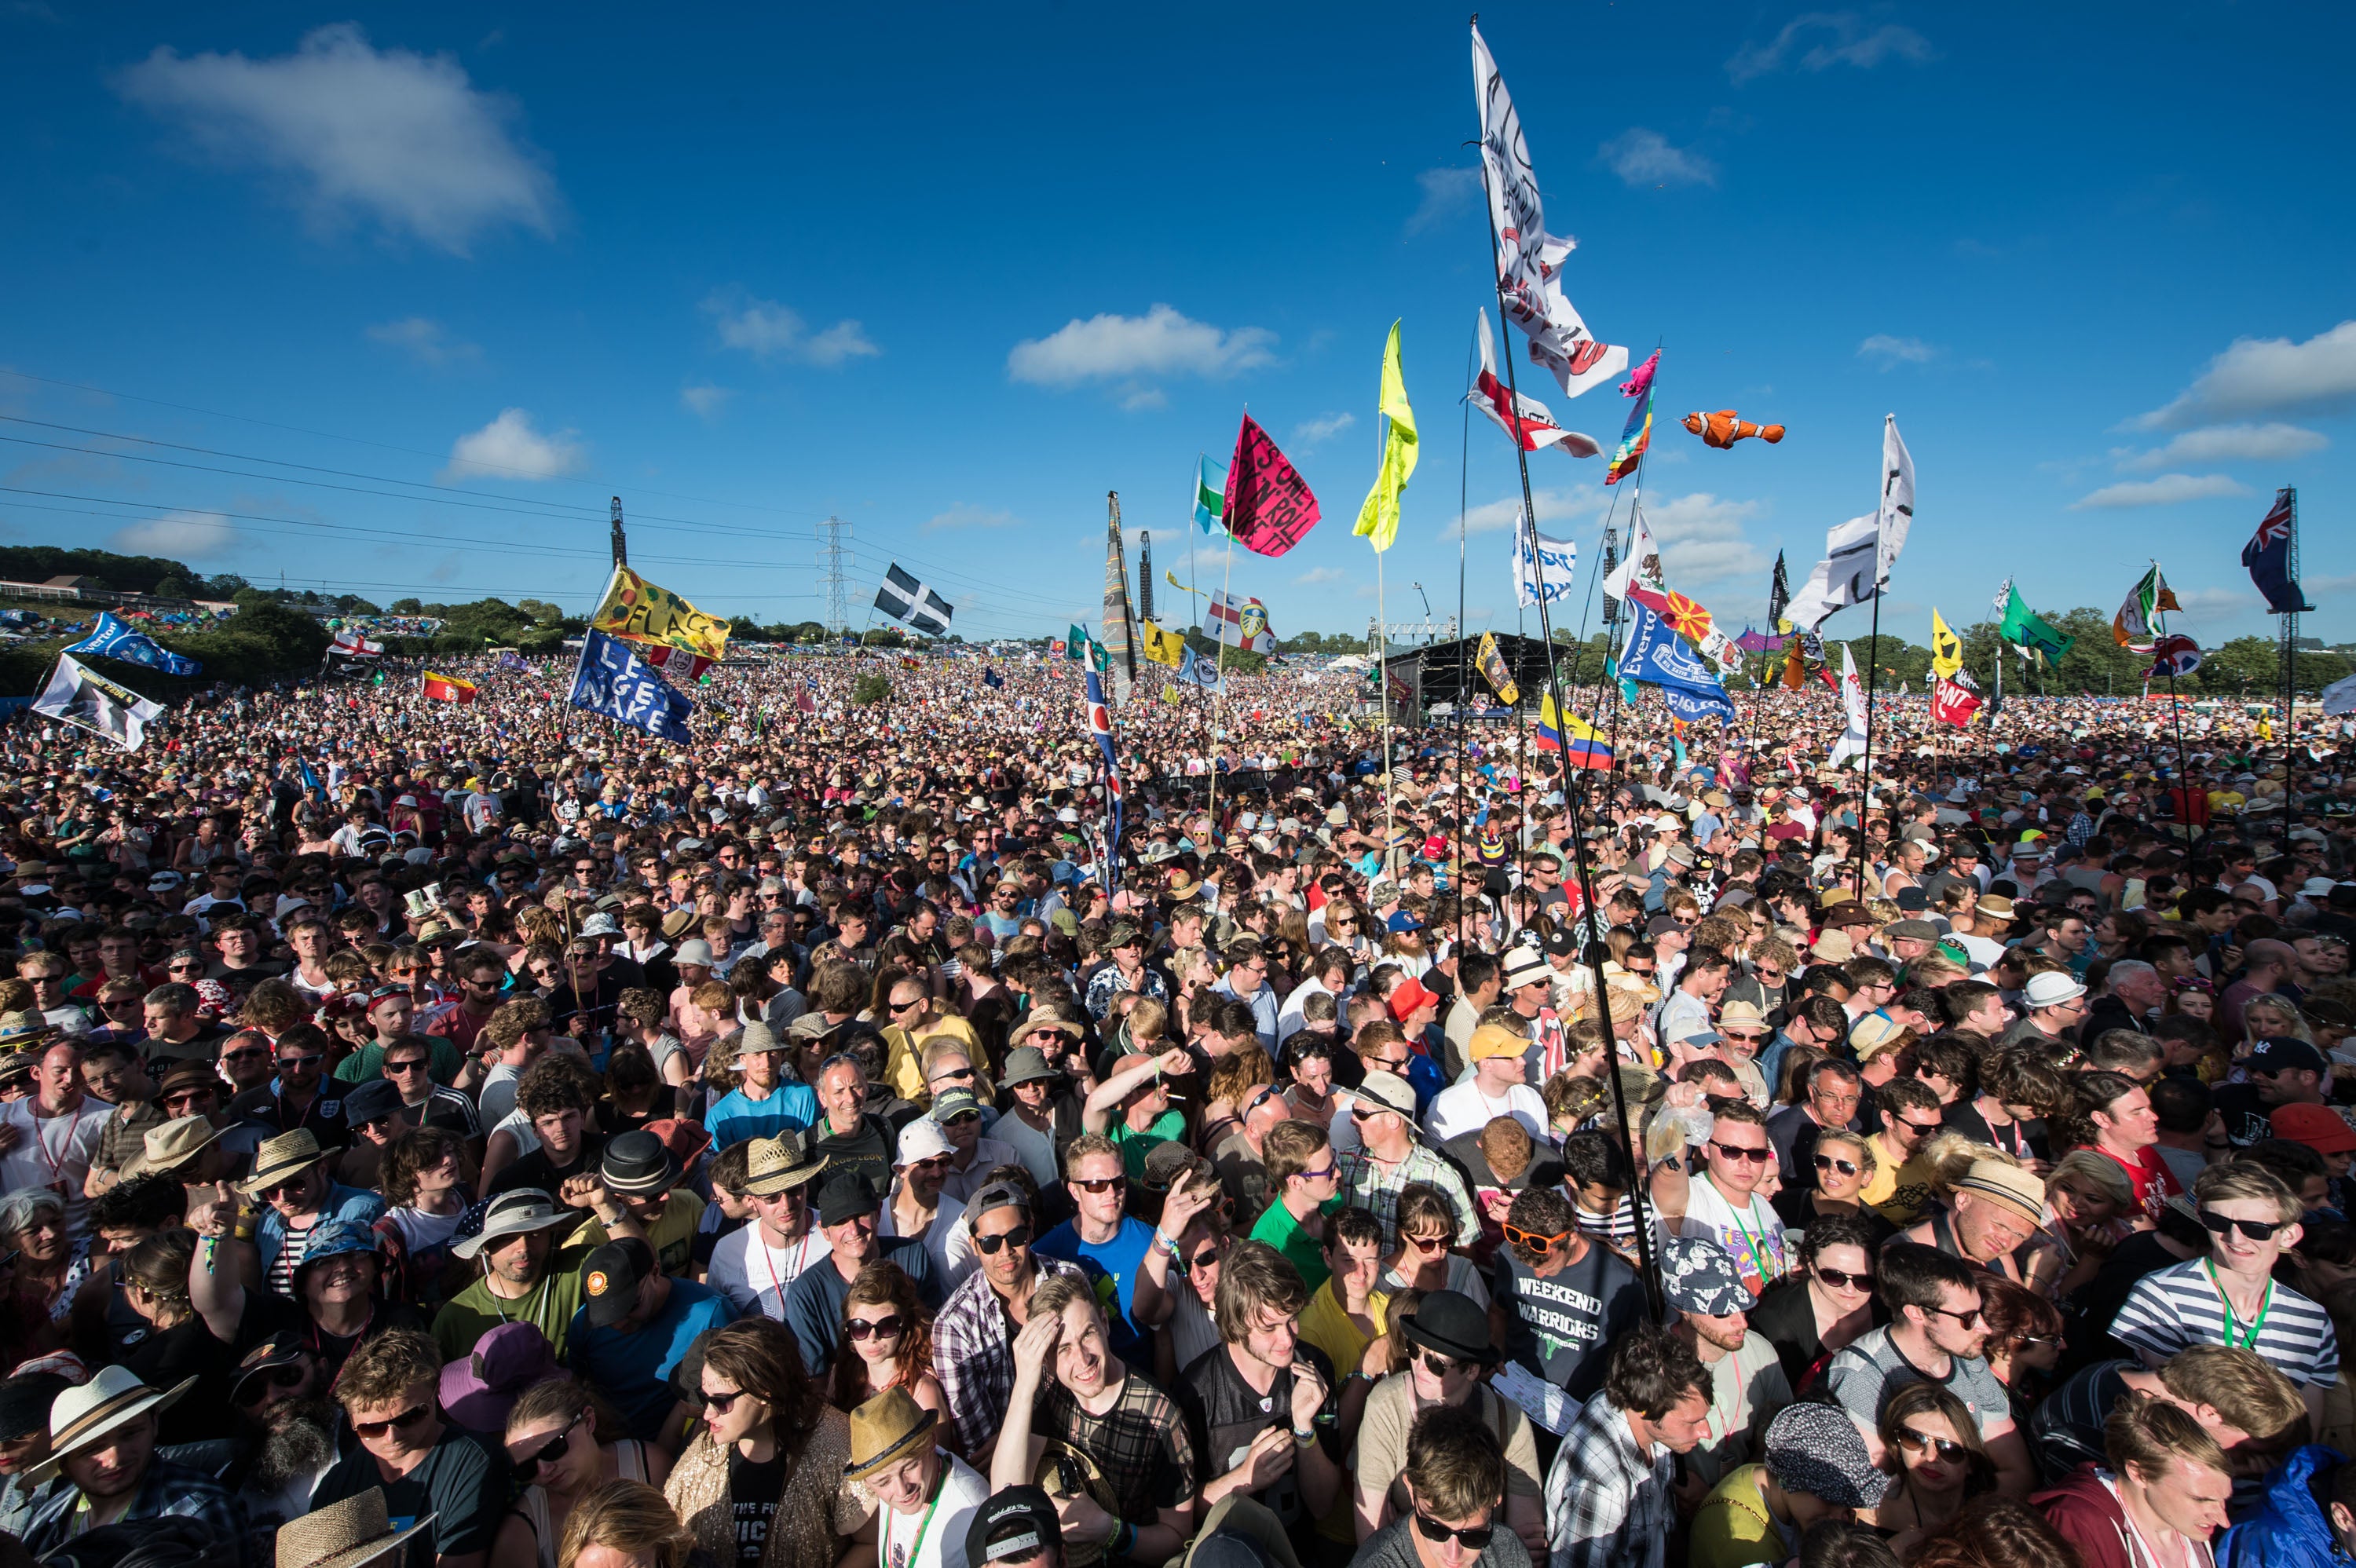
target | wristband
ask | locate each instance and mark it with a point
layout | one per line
(1123, 1541)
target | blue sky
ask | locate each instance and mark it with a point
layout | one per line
(953, 273)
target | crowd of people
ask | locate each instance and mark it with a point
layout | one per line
(462, 1136)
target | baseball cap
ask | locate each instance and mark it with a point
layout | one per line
(2282, 1053)
(610, 1277)
(1013, 1525)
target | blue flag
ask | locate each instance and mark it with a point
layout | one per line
(1195, 670)
(2268, 555)
(615, 682)
(992, 678)
(112, 639)
(1658, 657)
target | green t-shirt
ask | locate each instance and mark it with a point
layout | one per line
(1279, 1230)
(1168, 1127)
(442, 1062)
(474, 1312)
(1733, 1528)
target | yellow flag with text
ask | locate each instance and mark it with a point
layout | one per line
(1378, 520)
(637, 610)
(1163, 647)
(1946, 649)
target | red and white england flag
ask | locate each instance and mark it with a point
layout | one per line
(1525, 418)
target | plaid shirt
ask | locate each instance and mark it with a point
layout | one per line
(1140, 1445)
(1608, 1506)
(973, 1353)
(1371, 1186)
(166, 1489)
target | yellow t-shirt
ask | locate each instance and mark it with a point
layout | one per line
(672, 1235)
(1899, 1196)
(906, 1068)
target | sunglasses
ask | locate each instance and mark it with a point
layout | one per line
(1846, 1167)
(1431, 1530)
(1834, 1279)
(251, 1387)
(1923, 1443)
(301, 1061)
(720, 1401)
(1441, 1366)
(406, 1068)
(2255, 1230)
(1018, 1237)
(1197, 1264)
(1738, 1152)
(405, 1420)
(877, 1328)
(1100, 1184)
(1535, 1241)
(551, 1451)
(1969, 1317)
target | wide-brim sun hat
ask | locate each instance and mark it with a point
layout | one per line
(85, 1412)
(288, 1154)
(515, 1214)
(357, 1531)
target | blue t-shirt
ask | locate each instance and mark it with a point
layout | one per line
(1113, 1269)
(631, 1369)
(814, 1301)
(733, 1118)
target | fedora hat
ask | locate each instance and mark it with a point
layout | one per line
(281, 1158)
(1453, 1324)
(346, 1534)
(515, 1214)
(885, 1430)
(780, 1164)
(639, 1162)
(83, 1414)
(171, 1146)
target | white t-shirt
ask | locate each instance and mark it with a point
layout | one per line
(1463, 1108)
(498, 1092)
(1752, 1235)
(54, 1152)
(421, 1232)
(1035, 1150)
(935, 1539)
(754, 1275)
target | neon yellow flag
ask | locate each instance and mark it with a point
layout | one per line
(1378, 520)
(1163, 647)
(1946, 649)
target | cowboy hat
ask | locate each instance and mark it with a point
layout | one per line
(171, 1146)
(88, 1412)
(345, 1534)
(885, 1430)
(780, 1164)
(514, 1214)
(281, 1158)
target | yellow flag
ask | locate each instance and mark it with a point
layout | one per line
(1378, 520)
(1946, 649)
(638, 610)
(1161, 646)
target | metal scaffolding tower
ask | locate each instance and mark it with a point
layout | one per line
(833, 561)
(621, 545)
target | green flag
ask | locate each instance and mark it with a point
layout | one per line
(1075, 645)
(2023, 630)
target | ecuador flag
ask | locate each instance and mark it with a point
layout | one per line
(448, 688)
(1587, 748)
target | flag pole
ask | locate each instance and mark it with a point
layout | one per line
(1219, 684)
(1383, 665)
(1572, 798)
(1865, 779)
(1463, 677)
(2175, 707)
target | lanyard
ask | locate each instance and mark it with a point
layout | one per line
(1757, 1246)
(916, 1550)
(2233, 1319)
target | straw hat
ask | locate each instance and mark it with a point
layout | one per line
(281, 1158)
(88, 1412)
(779, 1164)
(171, 1146)
(885, 1430)
(348, 1534)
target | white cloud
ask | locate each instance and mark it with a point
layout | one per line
(1446, 193)
(402, 137)
(1701, 538)
(1161, 342)
(428, 342)
(1325, 427)
(1317, 574)
(1892, 351)
(2164, 491)
(2267, 375)
(767, 330)
(1848, 43)
(181, 536)
(1553, 507)
(703, 401)
(510, 448)
(962, 515)
(1641, 157)
(2227, 443)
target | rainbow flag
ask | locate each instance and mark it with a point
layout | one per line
(1587, 748)
(1637, 434)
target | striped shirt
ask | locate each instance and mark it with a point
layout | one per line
(2178, 1307)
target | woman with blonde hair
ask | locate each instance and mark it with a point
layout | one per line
(2270, 1017)
(889, 1336)
(764, 1417)
(624, 1524)
(565, 1444)
(2090, 1208)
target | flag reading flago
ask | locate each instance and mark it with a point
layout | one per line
(1267, 508)
(1378, 518)
(1947, 648)
(447, 688)
(640, 612)
(1493, 670)
(612, 680)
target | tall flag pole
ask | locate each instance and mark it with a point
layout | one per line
(1508, 178)
(1378, 518)
(1892, 519)
(1120, 640)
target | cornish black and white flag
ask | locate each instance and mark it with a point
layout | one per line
(904, 598)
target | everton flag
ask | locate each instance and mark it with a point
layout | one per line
(2268, 555)
(1656, 656)
(612, 680)
(112, 639)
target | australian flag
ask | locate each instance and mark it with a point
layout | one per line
(612, 680)
(1100, 726)
(2268, 555)
(110, 638)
